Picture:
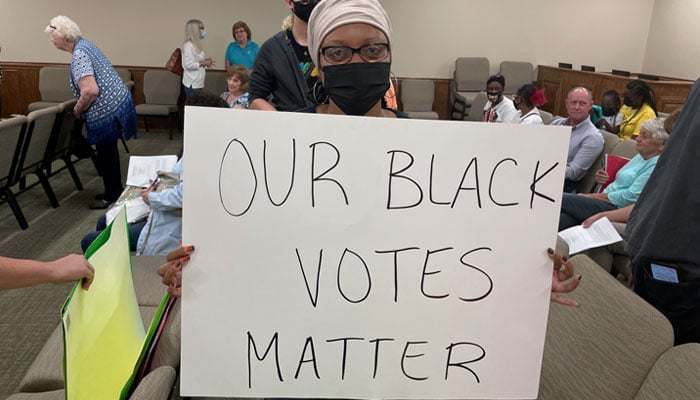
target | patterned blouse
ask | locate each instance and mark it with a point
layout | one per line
(112, 114)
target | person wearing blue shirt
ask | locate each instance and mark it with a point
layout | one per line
(243, 50)
(586, 141)
(628, 183)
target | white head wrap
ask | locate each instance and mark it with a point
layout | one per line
(330, 14)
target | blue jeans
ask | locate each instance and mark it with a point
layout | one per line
(189, 91)
(134, 232)
(575, 208)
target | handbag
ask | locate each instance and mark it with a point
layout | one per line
(174, 64)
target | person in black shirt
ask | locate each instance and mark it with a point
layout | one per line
(284, 78)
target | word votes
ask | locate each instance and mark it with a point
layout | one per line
(401, 179)
(352, 259)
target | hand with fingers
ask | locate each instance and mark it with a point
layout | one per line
(171, 271)
(562, 282)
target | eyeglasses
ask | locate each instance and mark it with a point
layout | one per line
(372, 52)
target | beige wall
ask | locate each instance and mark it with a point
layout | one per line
(132, 32)
(673, 48)
(429, 35)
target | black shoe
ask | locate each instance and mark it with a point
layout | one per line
(100, 196)
(100, 204)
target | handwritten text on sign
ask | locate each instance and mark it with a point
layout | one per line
(366, 257)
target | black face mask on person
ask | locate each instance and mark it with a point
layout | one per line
(628, 101)
(356, 87)
(609, 111)
(303, 11)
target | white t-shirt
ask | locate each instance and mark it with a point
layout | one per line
(531, 118)
(614, 120)
(505, 110)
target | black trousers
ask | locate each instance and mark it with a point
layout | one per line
(679, 302)
(107, 158)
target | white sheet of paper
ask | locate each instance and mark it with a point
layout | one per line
(425, 290)
(600, 233)
(143, 169)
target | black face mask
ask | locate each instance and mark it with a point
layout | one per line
(356, 87)
(303, 11)
(609, 111)
(628, 101)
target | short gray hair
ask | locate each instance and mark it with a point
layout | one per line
(64, 27)
(655, 126)
(590, 94)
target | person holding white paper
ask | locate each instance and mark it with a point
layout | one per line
(163, 230)
(350, 41)
(614, 257)
(628, 184)
(18, 273)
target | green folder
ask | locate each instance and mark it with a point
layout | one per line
(104, 340)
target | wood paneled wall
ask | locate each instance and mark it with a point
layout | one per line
(556, 82)
(20, 87)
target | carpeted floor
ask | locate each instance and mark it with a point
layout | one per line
(28, 316)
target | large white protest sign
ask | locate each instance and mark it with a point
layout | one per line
(366, 257)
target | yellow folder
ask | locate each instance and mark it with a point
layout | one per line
(103, 333)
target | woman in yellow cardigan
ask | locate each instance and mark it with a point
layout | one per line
(639, 106)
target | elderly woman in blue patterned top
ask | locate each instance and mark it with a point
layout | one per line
(104, 102)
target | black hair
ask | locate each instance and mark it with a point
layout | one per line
(205, 98)
(640, 88)
(525, 92)
(615, 96)
(497, 78)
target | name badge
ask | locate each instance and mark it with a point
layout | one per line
(664, 273)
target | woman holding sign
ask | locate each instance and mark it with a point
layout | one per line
(350, 41)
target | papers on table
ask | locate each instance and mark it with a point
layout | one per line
(600, 233)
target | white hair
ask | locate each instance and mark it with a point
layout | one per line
(655, 126)
(64, 27)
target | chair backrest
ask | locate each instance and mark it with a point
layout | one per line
(547, 117)
(626, 148)
(40, 125)
(471, 73)
(476, 111)
(61, 143)
(587, 184)
(11, 138)
(215, 81)
(54, 84)
(674, 375)
(517, 73)
(125, 76)
(161, 87)
(417, 94)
